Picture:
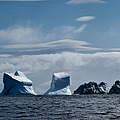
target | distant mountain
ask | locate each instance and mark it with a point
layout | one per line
(17, 84)
(91, 88)
(60, 84)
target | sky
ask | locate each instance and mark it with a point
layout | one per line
(40, 37)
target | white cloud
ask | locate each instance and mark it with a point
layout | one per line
(79, 30)
(4, 55)
(19, 34)
(29, 35)
(65, 32)
(85, 18)
(84, 1)
(69, 60)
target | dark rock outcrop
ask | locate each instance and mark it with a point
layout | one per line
(91, 88)
(115, 89)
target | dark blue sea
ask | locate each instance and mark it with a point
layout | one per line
(75, 107)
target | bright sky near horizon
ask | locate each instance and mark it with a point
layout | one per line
(81, 37)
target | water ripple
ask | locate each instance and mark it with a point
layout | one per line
(76, 107)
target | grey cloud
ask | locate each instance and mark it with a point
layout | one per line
(114, 49)
(51, 44)
(54, 47)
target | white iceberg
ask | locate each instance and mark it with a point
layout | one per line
(17, 84)
(60, 84)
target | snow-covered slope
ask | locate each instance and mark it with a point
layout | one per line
(17, 84)
(60, 84)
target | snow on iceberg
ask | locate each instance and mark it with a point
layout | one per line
(60, 84)
(17, 84)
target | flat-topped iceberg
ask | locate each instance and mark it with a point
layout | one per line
(60, 84)
(17, 84)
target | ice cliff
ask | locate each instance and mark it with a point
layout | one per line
(60, 84)
(17, 84)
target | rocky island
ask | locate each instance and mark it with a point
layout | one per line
(115, 89)
(91, 88)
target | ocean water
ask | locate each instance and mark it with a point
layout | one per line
(75, 107)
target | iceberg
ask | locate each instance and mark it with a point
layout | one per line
(17, 84)
(60, 84)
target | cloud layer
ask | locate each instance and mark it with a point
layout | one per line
(23, 40)
(26, 34)
(53, 47)
(84, 1)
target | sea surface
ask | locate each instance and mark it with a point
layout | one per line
(75, 107)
